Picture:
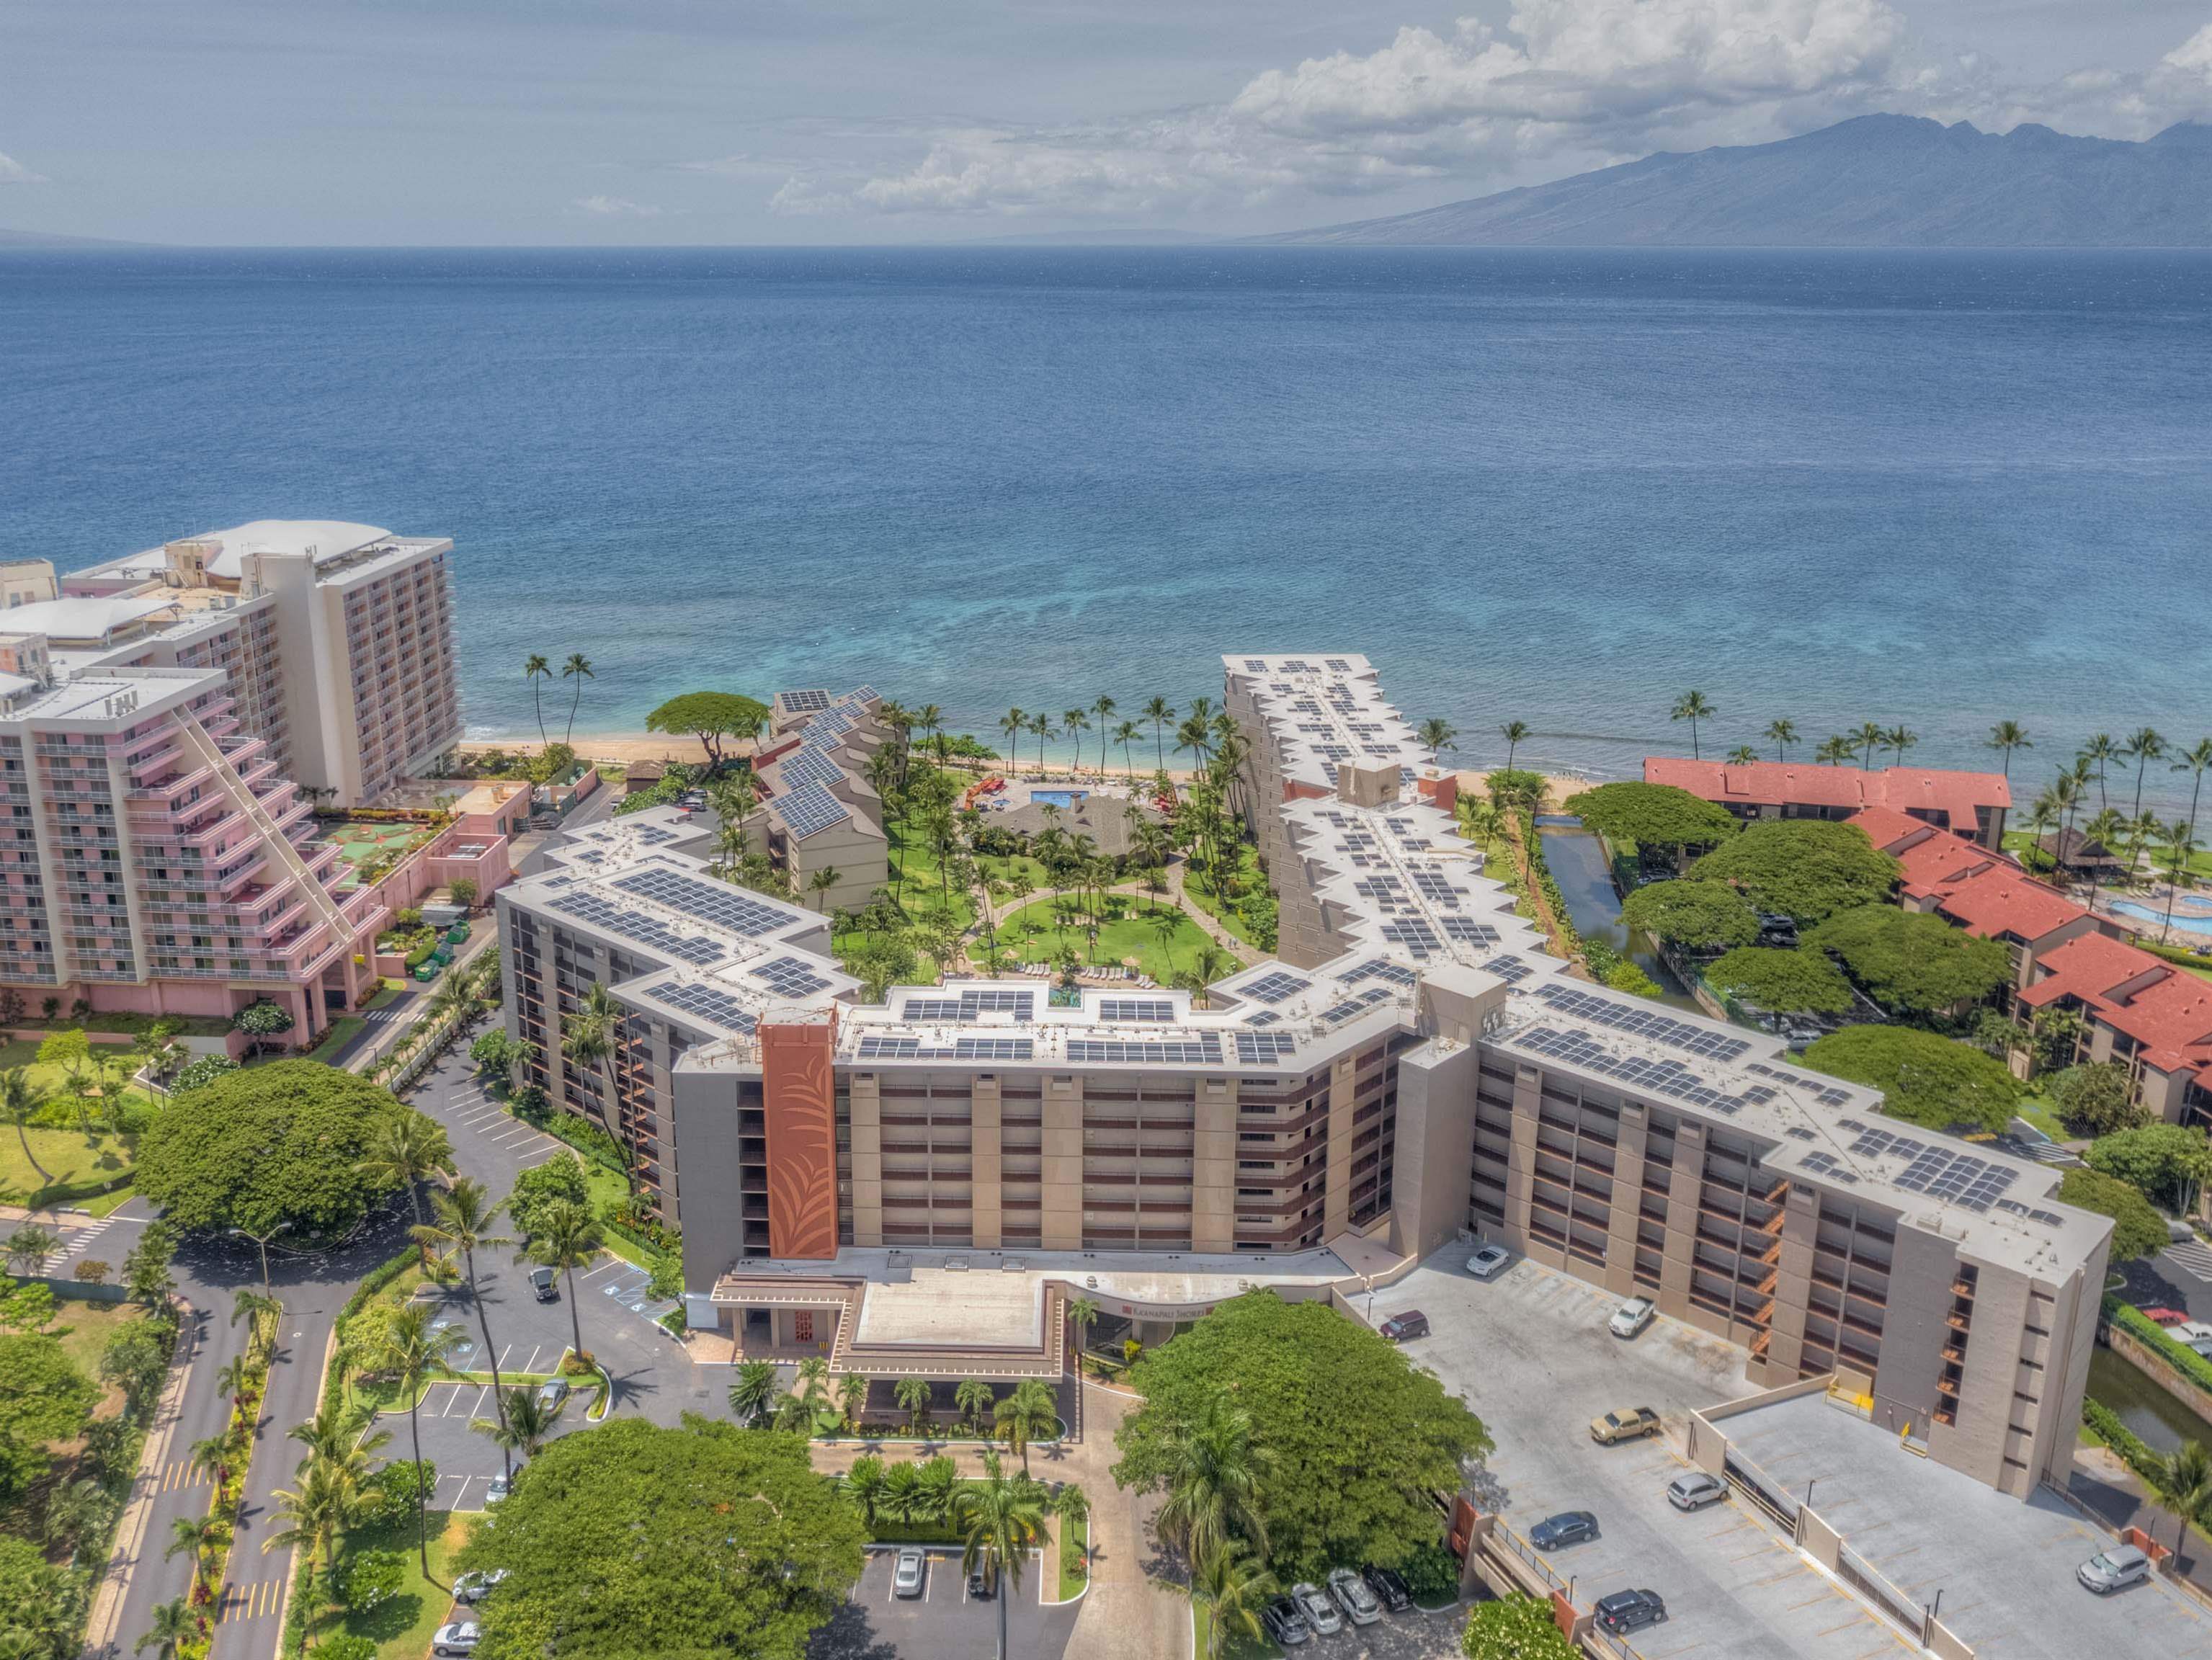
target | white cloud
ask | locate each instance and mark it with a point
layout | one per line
(13, 172)
(615, 207)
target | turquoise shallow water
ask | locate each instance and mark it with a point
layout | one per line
(1555, 486)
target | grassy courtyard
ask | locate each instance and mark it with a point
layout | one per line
(402, 1625)
(1128, 931)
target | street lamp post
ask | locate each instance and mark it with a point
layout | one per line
(261, 1240)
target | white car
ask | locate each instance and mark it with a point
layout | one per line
(1320, 1614)
(1353, 1595)
(459, 1637)
(1489, 1262)
(497, 1490)
(906, 1577)
(473, 1588)
(1630, 1317)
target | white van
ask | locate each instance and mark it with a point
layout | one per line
(2193, 1335)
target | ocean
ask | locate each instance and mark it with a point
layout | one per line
(1562, 487)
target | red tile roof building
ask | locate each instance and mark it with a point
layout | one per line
(1971, 804)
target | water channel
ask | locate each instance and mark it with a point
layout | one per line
(2161, 1422)
(1578, 865)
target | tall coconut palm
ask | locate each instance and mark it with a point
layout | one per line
(853, 1396)
(754, 1389)
(1783, 733)
(1000, 1519)
(1104, 708)
(1125, 733)
(1074, 723)
(864, 1486)
(1742, 755)
(2145, 747)
(329, 1438)
(2106, 829)
(312, 1515)
(1159, 712)
(2100, 751)
(525, 1422)
(1213, 1482)
(1871, 737)
(466, 1211)
(196, 1535)
(416, 1353)
(1027, 1413)
(172, 1626)
(2196, 760)
(1513, 732)
(1693, 707)
(1082, 1315)
(1013, 723)
(1833, 751)
(1900, 738)
(566, 1238)
(1436, 734)
(591, 1036)
(2179, 845)
(408, 1149)
(1041, 728)
(973, 1397)
(536, 668)
(819, 884)
(2181, 1481)
(913, 1394)
(22, 1101)
(578, 668)
(1232, 1586)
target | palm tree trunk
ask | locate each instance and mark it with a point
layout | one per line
(422, 1498)
(1001, 1599)
(498, 1392)
(46, 1176)
(537, 700)
(569, 736)
(575, 1325)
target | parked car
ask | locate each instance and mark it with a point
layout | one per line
(1627, 1424)
(1569, 1527)
(1489, 1262)
(1696, 1491)
(2113, 1568)
(1631, 1610)
(1320, 1614)
(979, 1584)
(1630, 1317)
(1390, 1587)
(544, 1285)
(2193, 1335)
(459, 1636)
(1361, 1606)
(1283, 1622)
(1400, 1327)
(906, 1576)
(471, 1588)
(498, 1490)
(551, 1393)
(2165, 1316)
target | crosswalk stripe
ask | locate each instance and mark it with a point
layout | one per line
(2194, 1257)
(253, 1602)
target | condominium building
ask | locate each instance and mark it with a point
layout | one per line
(337, 638)
(1413, 1067)
(1970, 804)
(154, 858)
(822, 824)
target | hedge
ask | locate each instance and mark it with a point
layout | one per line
(2133, 1453)
(2147, 1331)
(2180, 954)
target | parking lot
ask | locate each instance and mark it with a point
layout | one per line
(1530, 1354)
(943, 1623)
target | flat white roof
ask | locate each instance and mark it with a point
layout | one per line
(84, 619)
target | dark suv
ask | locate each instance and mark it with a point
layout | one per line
(1400, 1327)
(1390, 1588)
(1630, 1610)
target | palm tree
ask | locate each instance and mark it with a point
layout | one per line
(1231, 1585)
(332, 1441)
(1833, 751)
(210, 1456)
(2180, 844)
(22, 1102)
(1159, 712)
(1212, 1482)
(819, 884)
(1013, 724)
(407, 1150)
(902, 1498)
(1073, 1506)
(2181, 1481)
(1784, 733)
(864, 1486)
(1025, 1414)
(235, 1379)
(535, 669)
(2065, 793)
(1074, 723)
(2145, 747)
(313, 1514)
(913, 1395)
(1692, 707)
(1871, 737)
(1436, 734)
(1210, 964)
(1041, 729)
(2195, 761)
(1742, 755)
(974, 1398)
(2099, 752)
(1104, 708)
(812, 1384)
(1900, 738)
(853, 1395)
(465, 1214)
(525, 1424)
(1001, 1519)
(754, 1390)
(1125, 733)
(416, 1353)
(2007, 736)
(579, 669)
(566, 1238)
(173, 1625)
(1082, 1315)
(261, 1312)
(939, 1481)
(591, 1037)
(198, 1535)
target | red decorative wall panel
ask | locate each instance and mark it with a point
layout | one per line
(800, 1090)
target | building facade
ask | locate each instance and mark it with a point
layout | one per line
(1971, 805)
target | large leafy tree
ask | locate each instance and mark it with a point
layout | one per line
(2169, 1162)
(1933, 1081)
(1804, 868)
(1913, 962)
(1701, 915)
(2095, 1099)
(285, 1145)
(1352, 1439)
(2137, 1230)
(41, 1606)
(1654, 815)
(44, 1396)
(636, 1539)
(560, 1180)
(714, 718)
(1781, 981)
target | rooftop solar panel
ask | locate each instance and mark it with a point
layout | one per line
(807, 764)
(1135, 1008)
(1274, 988)
(1261, 1048)
(810, 809)
(636, 925)
(1380, 968)
(707, 1003)
(800, 701)
(790, 976)
(708, 902)
(1643, 1022)
(1205, 1050)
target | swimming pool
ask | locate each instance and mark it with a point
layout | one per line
(2182, 924)
(1062, 798)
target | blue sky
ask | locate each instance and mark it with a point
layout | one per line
(325, 122)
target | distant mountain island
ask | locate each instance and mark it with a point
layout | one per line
(38, 239)
(1876, 181)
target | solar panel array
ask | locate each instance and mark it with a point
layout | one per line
(1433, 886)
(1824, 1164)
(810, 809)
(1338, 665)
(1275, 988)
(808, 764)
(1667, 1077)
(1135, 1008)
(1414, 934)
(965, 1048)
(1827, 1096)
(652, 834)
(789, 976)
(1204, 1051)
(636, 925)
(1643, 1022)
(1352, 1005)
(1956, 1178)
(1259, 1049)
(1380, 968)
(1255, 665)
(798, 702)
(1511, 969)
(1022, 1005)
(2050, 1219)
(707, 1003)
(708, 902)
(1468, 932)
(1265, 1017)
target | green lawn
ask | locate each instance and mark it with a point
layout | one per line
(402, 1627)
(2039, 1111)
(921, 892)
(343, 1031)
(91, 1324)
(1222, 912)
(1073, 1537)
(66, 1156)
(1030, 935)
